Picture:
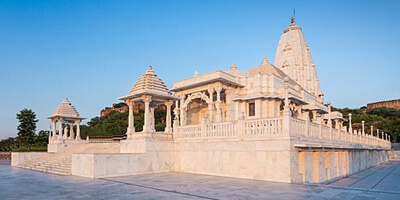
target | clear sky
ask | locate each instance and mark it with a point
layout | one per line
(93, 51)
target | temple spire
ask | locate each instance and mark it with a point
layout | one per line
(293, 17)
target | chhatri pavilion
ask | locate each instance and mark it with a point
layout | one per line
(268, 123)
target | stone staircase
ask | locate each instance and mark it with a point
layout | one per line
(60, 162)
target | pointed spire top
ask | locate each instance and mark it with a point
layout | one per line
(149, 70)
(195, 73)
(233, 66)
(265, 61)
(293, 17)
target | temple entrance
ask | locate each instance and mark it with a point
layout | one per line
(197, 109)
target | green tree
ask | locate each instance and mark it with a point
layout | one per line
(42, 138)
(7, 144)
(26, 128)
(389, 113)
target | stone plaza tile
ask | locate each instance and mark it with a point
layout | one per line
(25, 184)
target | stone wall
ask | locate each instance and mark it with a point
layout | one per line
(389, 104)
(20, 157)
(267, 160)
(327, 165)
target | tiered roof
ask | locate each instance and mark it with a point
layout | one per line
(148, 84)
(66, 110)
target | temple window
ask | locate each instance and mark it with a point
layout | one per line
(252, 109)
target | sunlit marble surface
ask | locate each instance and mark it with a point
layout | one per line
(375, 183)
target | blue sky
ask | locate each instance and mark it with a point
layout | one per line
(93, 51)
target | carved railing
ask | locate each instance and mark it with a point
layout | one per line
(234, 129)
(299, 127)
(273, 127)
(217, 130)
(192, 131)
(263, 127)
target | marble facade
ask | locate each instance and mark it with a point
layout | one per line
(268, 123)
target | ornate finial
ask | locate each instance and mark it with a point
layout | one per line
(293, 17)
(195, 73)
(265, 61)
(233, 66)
(150, 67)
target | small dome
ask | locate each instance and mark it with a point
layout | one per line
(267, 68)
(66, 110)
(149, 83)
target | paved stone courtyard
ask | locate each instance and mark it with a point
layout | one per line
(380, 182)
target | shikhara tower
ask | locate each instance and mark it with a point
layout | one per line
(293, 56)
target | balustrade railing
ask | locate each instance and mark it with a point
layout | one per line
(263, 127)
(274, 127)
(234, 129)
(226, 129)
(192, 131)
(303, 128)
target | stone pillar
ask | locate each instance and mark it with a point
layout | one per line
(228, 105)
(329, 114)
(363, 130)
(71, 131)
(152, 120)
(211, 105)
(168, 104)
(60, 130)
(218, 106)
(78, 129)
(286, 110)
(65, 135)
(176, 112)
(131, 120)
(315, 114)
(350, 126)
(372, 130)
(182, 111)
(53, 135)
(146, 99)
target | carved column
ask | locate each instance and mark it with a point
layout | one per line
(228, 105)
(315, 114)
(78, 129)
(329, 114)
(60, 130)
(146, 99)
(168, 104)
(211, 105)
(182, 111)
(152, 120)
(218, 106)
(176, 113)
(131, 120)
(65, 135)
(53, 135)
(350, 126)
(71, 131)
(286, 109)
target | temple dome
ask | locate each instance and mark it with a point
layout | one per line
(149, 82)
(66, 110)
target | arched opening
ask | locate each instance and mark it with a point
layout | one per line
(196, 110)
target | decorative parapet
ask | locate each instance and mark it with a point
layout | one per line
(274, 127)
(235, 129)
